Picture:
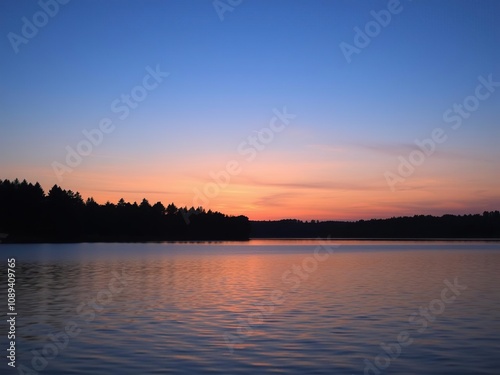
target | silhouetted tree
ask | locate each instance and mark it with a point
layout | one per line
(27, 214)
(171, 209)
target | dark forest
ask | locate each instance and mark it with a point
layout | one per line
(27, 214)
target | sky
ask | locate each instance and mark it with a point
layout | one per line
(273, 109)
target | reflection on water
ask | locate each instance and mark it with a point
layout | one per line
(263, 307)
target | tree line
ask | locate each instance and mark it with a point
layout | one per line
(27, 214)
(485, 226)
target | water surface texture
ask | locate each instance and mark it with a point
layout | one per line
(263, 307)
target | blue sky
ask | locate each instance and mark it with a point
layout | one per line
(226, 77)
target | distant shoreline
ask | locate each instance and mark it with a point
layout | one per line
(28, 215)
(469, 240)
(379, 239)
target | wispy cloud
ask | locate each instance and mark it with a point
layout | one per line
(111, 157)
(145, 192)
(326, 147)
(396, 149)
(275, 200)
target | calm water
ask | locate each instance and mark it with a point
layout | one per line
(290, 307)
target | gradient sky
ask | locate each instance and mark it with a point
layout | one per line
(226, 77)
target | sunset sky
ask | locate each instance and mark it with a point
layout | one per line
(208, 75)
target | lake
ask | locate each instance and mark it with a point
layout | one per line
(258, 307)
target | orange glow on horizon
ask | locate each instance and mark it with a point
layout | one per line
(269, 189)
